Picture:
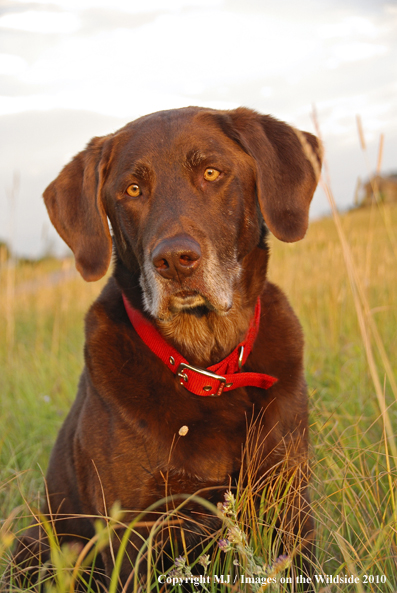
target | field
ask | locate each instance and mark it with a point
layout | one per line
(349, 317)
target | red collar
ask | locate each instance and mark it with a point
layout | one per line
(223, 376)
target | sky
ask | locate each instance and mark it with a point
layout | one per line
(74, 69)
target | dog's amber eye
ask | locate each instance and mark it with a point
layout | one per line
(134, 190)
(211, 174)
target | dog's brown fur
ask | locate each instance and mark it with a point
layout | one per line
(120, 439)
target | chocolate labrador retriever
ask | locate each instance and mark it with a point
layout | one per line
(188, 344)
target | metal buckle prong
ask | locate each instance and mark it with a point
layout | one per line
(183, 376)
(240, 357)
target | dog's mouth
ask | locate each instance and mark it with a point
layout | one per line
(187, 299)
(191, 301)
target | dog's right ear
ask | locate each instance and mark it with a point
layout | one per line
(75, 206)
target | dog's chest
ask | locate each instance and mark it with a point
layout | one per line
(195, 437)
(186, 440)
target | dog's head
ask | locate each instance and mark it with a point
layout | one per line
(186, 192)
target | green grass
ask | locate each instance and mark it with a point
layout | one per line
(354, 471)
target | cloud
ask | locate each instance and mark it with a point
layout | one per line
(171, 59)
(354, 52)
(41, 21)
(188, 57)
(12, 65)
(348, 27)
(126, 5)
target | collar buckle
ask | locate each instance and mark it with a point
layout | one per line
(180, 373)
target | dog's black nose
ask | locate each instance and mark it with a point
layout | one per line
(177, 257)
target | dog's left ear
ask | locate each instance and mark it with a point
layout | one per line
(288, 164)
